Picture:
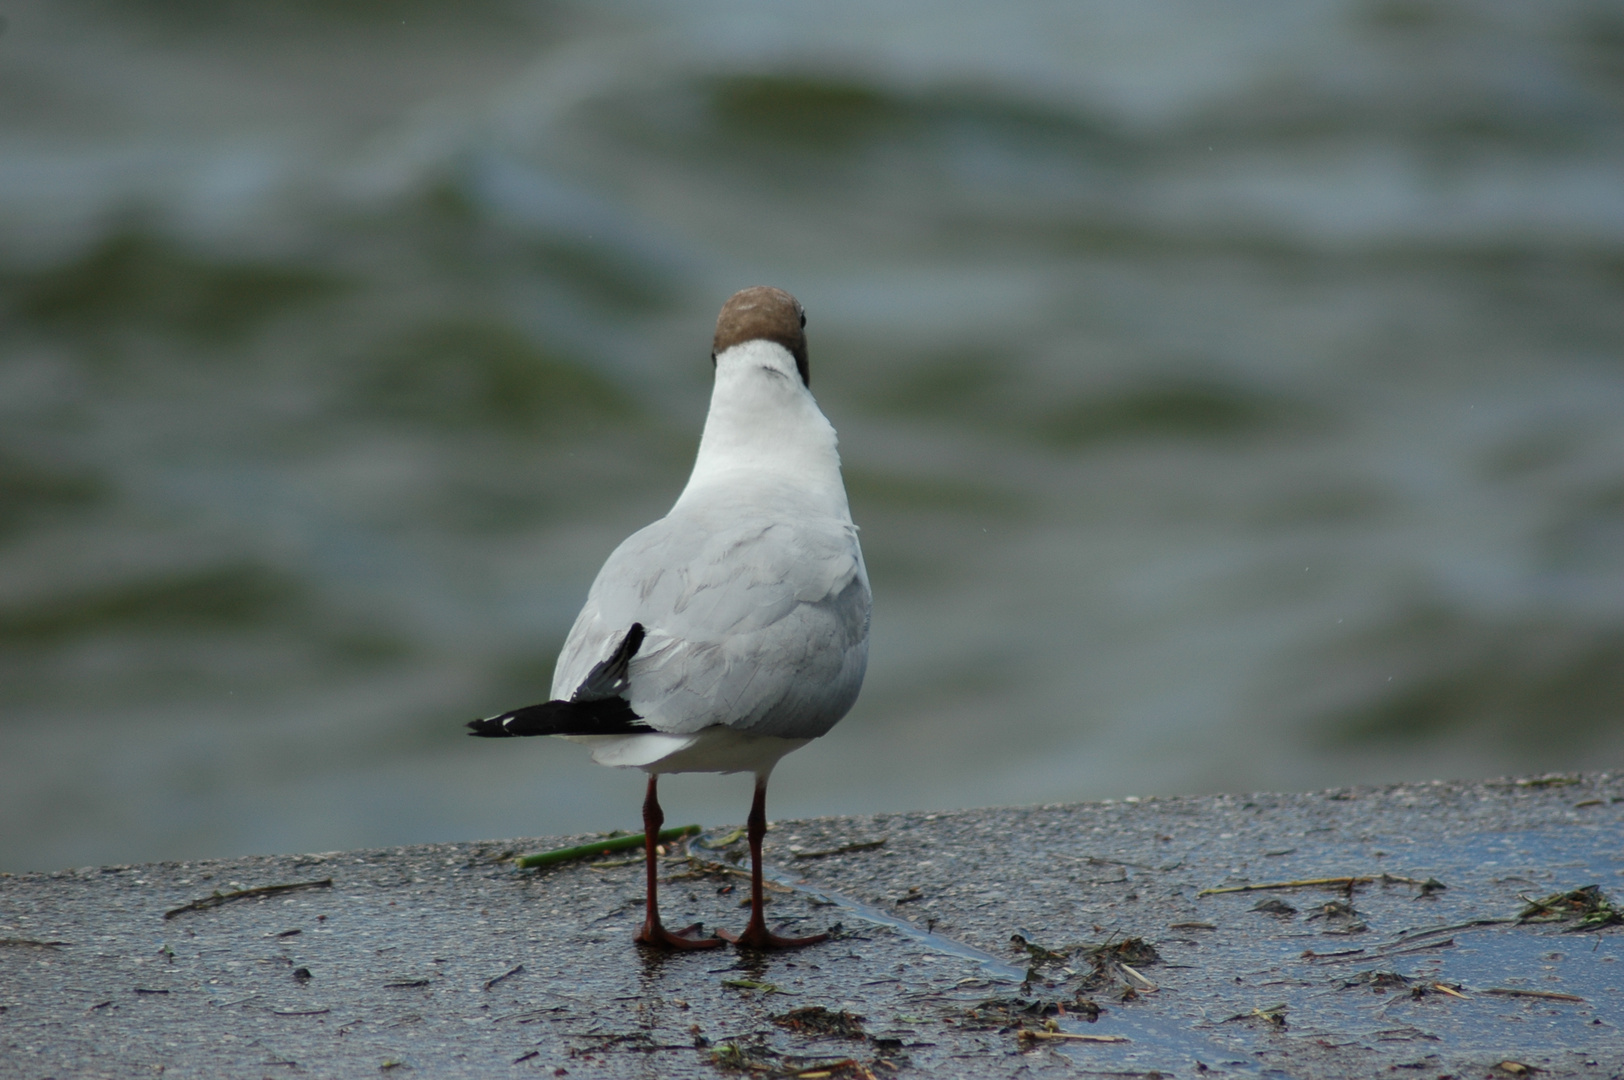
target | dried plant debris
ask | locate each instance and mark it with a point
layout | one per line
(758, 1059)
(1346, 884)
(1112, 964)
(1340, 918)
(218, 898)
(1415, 986)
(1379, 981)
(843, 849)
(1119, 962)
(1085, 1007)
(745, 1057)
(1051, 1031)
(703, 869)
(754, 984)
(816, 1020)
(1543, 995)
(1340, 956)
(517, 969)
(717, 843)
(1589, 906)
(1134, 950)
(1129, 950)
(1430, 888)
(636, 1042)
(1039, 956)
(1274, 906)
(1013, 1013)
(1548, 780)
(1273, 1015)
(1436, 987)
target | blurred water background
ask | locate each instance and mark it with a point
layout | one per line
(1231, 395)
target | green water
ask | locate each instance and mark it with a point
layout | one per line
(1229, 399)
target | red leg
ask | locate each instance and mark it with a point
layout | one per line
(653, 933)
(756, 935)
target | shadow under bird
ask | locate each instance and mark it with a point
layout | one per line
(734, 629)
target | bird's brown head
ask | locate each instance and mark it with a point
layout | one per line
(762, 313)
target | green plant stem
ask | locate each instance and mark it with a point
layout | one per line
(598, 847)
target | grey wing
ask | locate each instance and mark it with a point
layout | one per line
(759, 625)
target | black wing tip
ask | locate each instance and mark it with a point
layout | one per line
(605, 716)
(596, 708)
(490, 727)
(610, 677)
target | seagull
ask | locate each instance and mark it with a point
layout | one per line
(734, 629)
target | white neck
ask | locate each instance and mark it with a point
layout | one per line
(764, 429)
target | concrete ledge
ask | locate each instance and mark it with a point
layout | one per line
(445, 961)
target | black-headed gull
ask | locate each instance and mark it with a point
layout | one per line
(734, 629)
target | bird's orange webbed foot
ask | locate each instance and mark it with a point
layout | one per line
(657, 936)
(757, 936)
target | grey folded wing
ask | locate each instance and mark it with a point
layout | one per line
(761, 625)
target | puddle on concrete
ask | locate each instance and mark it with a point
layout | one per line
(1389, 984)
(1392, 982)
(1154, 1045)
(994, 968)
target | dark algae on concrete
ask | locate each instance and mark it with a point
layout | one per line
(1436, 930)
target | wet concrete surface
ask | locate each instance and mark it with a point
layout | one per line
(444, 960)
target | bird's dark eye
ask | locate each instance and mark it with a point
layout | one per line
(803, 320)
